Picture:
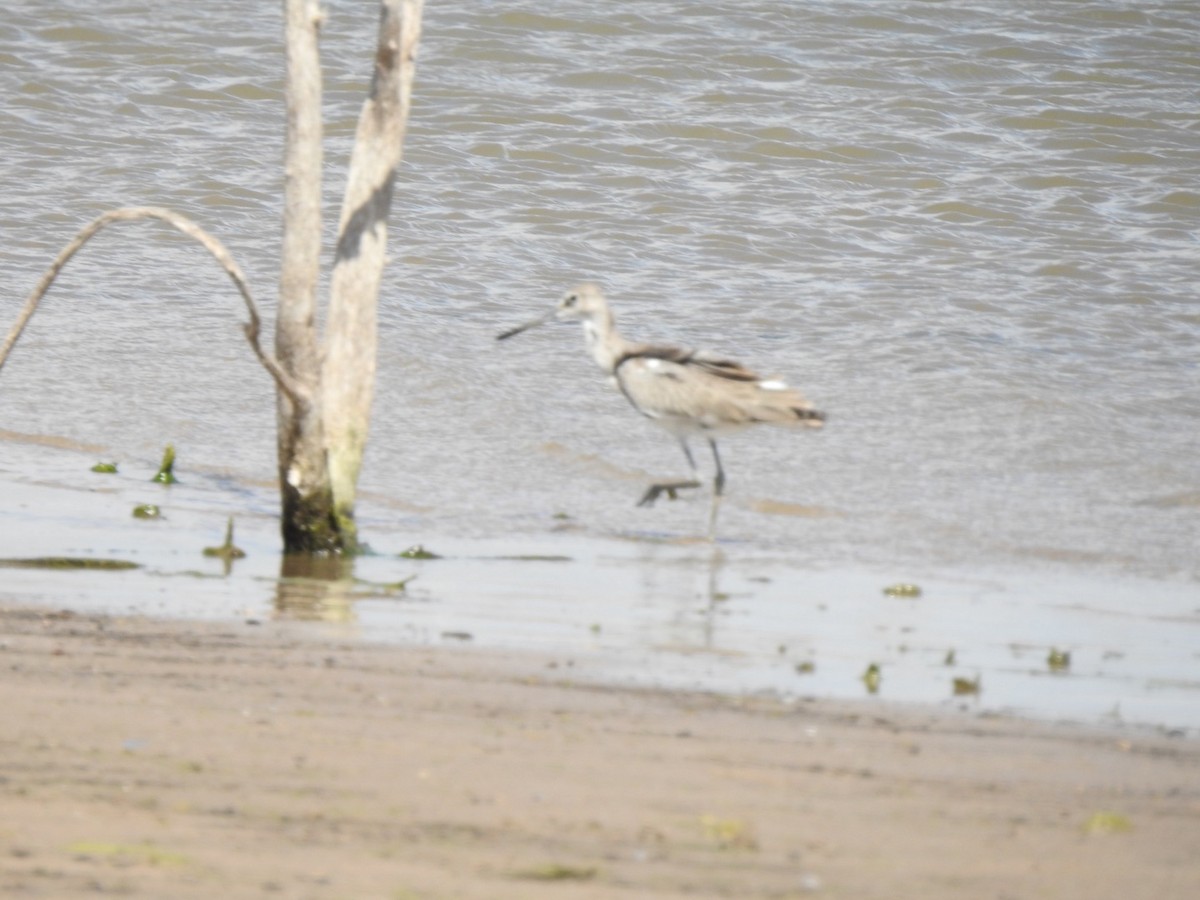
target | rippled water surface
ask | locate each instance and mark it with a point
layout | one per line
(968, 231)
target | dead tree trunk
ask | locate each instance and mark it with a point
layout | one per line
(320, 455)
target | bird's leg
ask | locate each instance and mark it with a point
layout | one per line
(719, 479)
(670, 487)
(718, 489)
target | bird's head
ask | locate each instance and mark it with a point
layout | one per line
(584, 302)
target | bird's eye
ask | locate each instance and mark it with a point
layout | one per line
(570, 300)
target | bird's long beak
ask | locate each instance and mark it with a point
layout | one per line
(541, 320)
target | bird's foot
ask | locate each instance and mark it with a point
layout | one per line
(669, 488)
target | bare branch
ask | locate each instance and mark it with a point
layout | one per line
(192, 230)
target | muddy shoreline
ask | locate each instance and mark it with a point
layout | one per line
(162, 758)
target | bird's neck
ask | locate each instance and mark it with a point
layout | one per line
(603, 340)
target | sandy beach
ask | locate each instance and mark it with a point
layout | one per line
(151, 758)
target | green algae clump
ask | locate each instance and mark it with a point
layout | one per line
(227, 551)
(165, 474)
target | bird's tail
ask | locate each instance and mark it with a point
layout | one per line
(809, 417)
(780, 404)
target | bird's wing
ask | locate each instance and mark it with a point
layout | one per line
(700, 359)
(667, 390)
(672, 383)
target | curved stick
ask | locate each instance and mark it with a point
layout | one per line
(295, 392)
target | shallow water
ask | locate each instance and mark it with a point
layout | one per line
(970, 234)
(739, 618)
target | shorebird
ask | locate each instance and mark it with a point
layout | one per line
(689, 393)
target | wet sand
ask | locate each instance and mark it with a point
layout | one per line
(165, 759)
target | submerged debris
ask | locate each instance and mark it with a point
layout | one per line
(902, 589)
(165, 474)
(806, 668)
(227, 551)
(968, 686)
(417, 551)
(1058, 660)
(68, 562)
(105, 468)
(950, 658)
(147, 511)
